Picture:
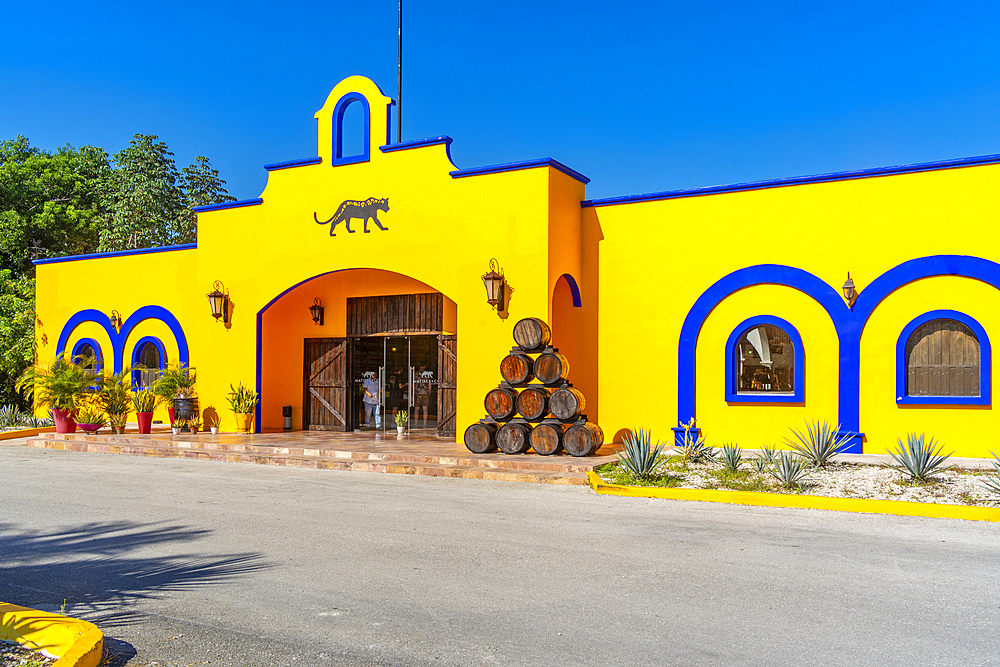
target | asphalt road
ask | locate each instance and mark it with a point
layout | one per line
(203, 563)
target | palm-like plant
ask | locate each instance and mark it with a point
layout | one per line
(918, 458)
(116, 398)
(789, 469)
(60, 385)
(818, 443)
(175, 380)
(640, 456)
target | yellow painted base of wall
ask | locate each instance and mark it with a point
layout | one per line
(898, 507)
(74, 643)
(26, 433)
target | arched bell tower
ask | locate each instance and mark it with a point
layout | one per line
(377, 108)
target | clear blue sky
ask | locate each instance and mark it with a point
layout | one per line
(639, 96)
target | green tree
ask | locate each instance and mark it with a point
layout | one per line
(17, 332)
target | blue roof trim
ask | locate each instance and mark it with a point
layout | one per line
(115, 253)
(227, 204)
(516, 166)
(418, 143)
(288, 164)
(798, 180)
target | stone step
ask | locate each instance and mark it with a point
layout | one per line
(157, 448)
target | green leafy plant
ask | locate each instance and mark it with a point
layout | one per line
(732, 457)
(176, 380)
(402, 417)
(918, 458)
(60, 385)
(143, 400)
(212, 419)
(992, 481)
(242, 400)
(789, 470)
(694, 450)
(640, 457)
(818, 443)
(90, 415)
(116, 398)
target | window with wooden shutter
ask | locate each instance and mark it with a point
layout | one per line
(943, 359)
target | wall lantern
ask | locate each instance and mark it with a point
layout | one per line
(849, 292)
(116, 321)
(218, 298)
(494, 282)
(317, 311)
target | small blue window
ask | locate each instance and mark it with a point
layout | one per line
(149, 357)
(88, 351)
(342, 144)
(765, 362)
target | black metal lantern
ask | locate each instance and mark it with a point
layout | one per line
(116, 320)
(494, 281)
(849, 292)
(317, 311)
(218, 299)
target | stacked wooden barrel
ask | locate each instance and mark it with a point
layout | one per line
(535, 406)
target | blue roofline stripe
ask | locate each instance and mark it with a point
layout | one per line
(115, 253)
(288, 164)
(798, 180)
(517, 166)
(227, 204)
(419, 143)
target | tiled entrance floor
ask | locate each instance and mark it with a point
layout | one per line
(413, 454)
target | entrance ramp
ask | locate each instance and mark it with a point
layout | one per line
(412, 454)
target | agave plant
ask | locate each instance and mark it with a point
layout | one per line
(31, 421)
(992, 481)
(640, 456)
(760, 463)
(818, 443)
(769, 454)
(789, 469)
(918, 458)
(694, 450)
(10, 415)
(732, 457)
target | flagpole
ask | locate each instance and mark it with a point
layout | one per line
(399, 88)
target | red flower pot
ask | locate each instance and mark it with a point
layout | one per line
(145, 420)
(64, 421)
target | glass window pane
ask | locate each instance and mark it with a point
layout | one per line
(764, 361)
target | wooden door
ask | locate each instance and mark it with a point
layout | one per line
(325, 378)
(447, 397)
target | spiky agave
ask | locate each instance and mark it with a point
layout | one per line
(769, 453)
(760, 463)
(919, 458)
(818, 443)
(992, 481)
(640, 456)
(732, 456)
(789, 469)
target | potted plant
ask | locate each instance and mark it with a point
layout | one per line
(60, 385)
(177, 426)
(143, 401)
(174, 388)
(195, 424)
(116, 400)
(243, 402)
(90, 418)
(402, 416)
(212, 421)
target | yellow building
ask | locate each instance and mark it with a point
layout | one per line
(720, 303)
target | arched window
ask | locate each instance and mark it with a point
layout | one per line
(90, 350)
(354, 102)
(764, 362)
(148, 358)
(943, 358)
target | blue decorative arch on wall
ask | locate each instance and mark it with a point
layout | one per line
(985, 362)
(118, 338)
(849, 323)
(338, 130)
(798, 373)
(574, 290)
(161, 348)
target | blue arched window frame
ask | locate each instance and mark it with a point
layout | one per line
(338, 130)
(98, 354)
(985, 362)
(798, 373)
(137, 352)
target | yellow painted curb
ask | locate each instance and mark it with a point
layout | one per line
(898, 507)
(72, 642)
(26, 433)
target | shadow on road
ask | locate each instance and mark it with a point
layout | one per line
(100, 571)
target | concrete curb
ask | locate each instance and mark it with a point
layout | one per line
(72, 642)
(26, 432)
(897, 507)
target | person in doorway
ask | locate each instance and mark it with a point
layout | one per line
(371, 401)
(421, 393)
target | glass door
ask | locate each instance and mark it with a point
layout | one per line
(396, 383)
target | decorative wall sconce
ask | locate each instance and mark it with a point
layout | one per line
(116, 321)
(849, 292)
(494, 281)
(218, 299)
(317, 311)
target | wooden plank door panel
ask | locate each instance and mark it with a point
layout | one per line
(325, 380)
(447, 402)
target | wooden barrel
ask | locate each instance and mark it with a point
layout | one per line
(533, 402)
(501, 403)
(547, 439)
(481, 438)
(583, 439)
(551, 368)
(516, 368)
(566, 403)
(532, 333)
(513, 438)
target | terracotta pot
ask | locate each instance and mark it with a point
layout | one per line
(64, 421)
(118, 430)
(145, 420)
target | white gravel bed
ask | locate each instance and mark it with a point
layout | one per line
(14, 655)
